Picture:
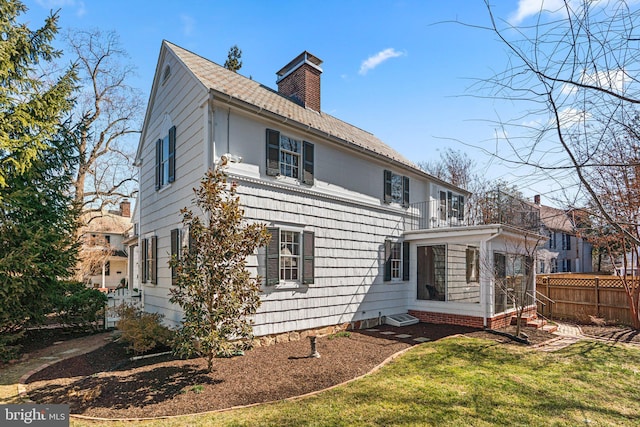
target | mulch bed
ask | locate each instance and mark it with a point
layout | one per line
(105, 384)
(612, 333)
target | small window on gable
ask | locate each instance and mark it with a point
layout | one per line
(166, 159)
(166, 73)
(396, 188)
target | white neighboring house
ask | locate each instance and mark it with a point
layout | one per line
(104, 234)
(358, 232)
(565, 251)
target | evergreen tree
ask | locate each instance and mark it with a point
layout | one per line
(30, 107)
(212, 285)
(233, 62)
(37, 219)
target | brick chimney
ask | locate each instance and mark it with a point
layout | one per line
(125, 208)
(300, 80)
(536, 199)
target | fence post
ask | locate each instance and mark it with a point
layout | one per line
(597, 280)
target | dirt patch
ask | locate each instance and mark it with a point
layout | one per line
(104, 383)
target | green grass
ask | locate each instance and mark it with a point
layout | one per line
(462, 381)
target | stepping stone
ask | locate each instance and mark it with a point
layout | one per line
(372, 330)
(48, 357)
(73, 350)
(422, 339)
(387, 333)
(403, 336)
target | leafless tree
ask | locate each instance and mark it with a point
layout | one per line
(576, 71)
(106, 120)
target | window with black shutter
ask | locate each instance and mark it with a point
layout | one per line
(152, 260)
(396, 188)
(166, 159)
(175, 252)
(144, 260)
(273, 152)
(308, 262)
(308, 159)
(396, 260)
(273, 257)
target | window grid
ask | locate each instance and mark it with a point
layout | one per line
(396, 260)
(289, 157)
(289, 255)
(164, 162)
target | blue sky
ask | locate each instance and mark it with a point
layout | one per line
(401, 69)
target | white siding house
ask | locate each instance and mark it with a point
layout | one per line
(351, 220)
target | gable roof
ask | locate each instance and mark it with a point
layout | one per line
(556, 219)
(223, 81)
(236, 89)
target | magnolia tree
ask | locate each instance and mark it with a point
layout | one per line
(213, 286)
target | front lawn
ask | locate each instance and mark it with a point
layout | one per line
(465, 381)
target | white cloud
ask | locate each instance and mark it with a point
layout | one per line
(527, 8)
(613, 80)
(570, 117)
(377, 59)
(188, 24)
(81, 9)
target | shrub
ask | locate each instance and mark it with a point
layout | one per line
(141, 330)
(79, 307)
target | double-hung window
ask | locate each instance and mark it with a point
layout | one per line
(396, 265)
(566, 241)
(290, 157)
(165, 159)
(396, 188)
(149, 266)
(290, 257)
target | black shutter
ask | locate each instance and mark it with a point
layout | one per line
(308, 248)
(273, 257)
(387, 260)
(387, 186)
(273, 152)
(405, 191)
(172, 154)
(405, 261)
(153, 264)
(175, 252)
(308, 159)
(449, 205)
(158, 163)
(143, 262)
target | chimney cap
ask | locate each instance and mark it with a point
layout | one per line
(304, 58)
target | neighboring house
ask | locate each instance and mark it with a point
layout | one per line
(105, 260)
(358, 231)
(565, 251)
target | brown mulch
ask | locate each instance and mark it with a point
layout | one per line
(104, 383)
(612, 333)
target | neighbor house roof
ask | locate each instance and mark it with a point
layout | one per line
(234, 86)
(556, 219)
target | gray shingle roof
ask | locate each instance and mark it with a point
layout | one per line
(219, 79)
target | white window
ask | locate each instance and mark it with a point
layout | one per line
(290, 156)
(473, 265)
(396, 260)
(289, 255)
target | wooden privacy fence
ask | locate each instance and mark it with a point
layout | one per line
(579, 296)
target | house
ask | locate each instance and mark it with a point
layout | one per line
(565, 251)
(359, 233)
(104, 256)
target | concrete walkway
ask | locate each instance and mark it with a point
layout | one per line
(11, 389)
